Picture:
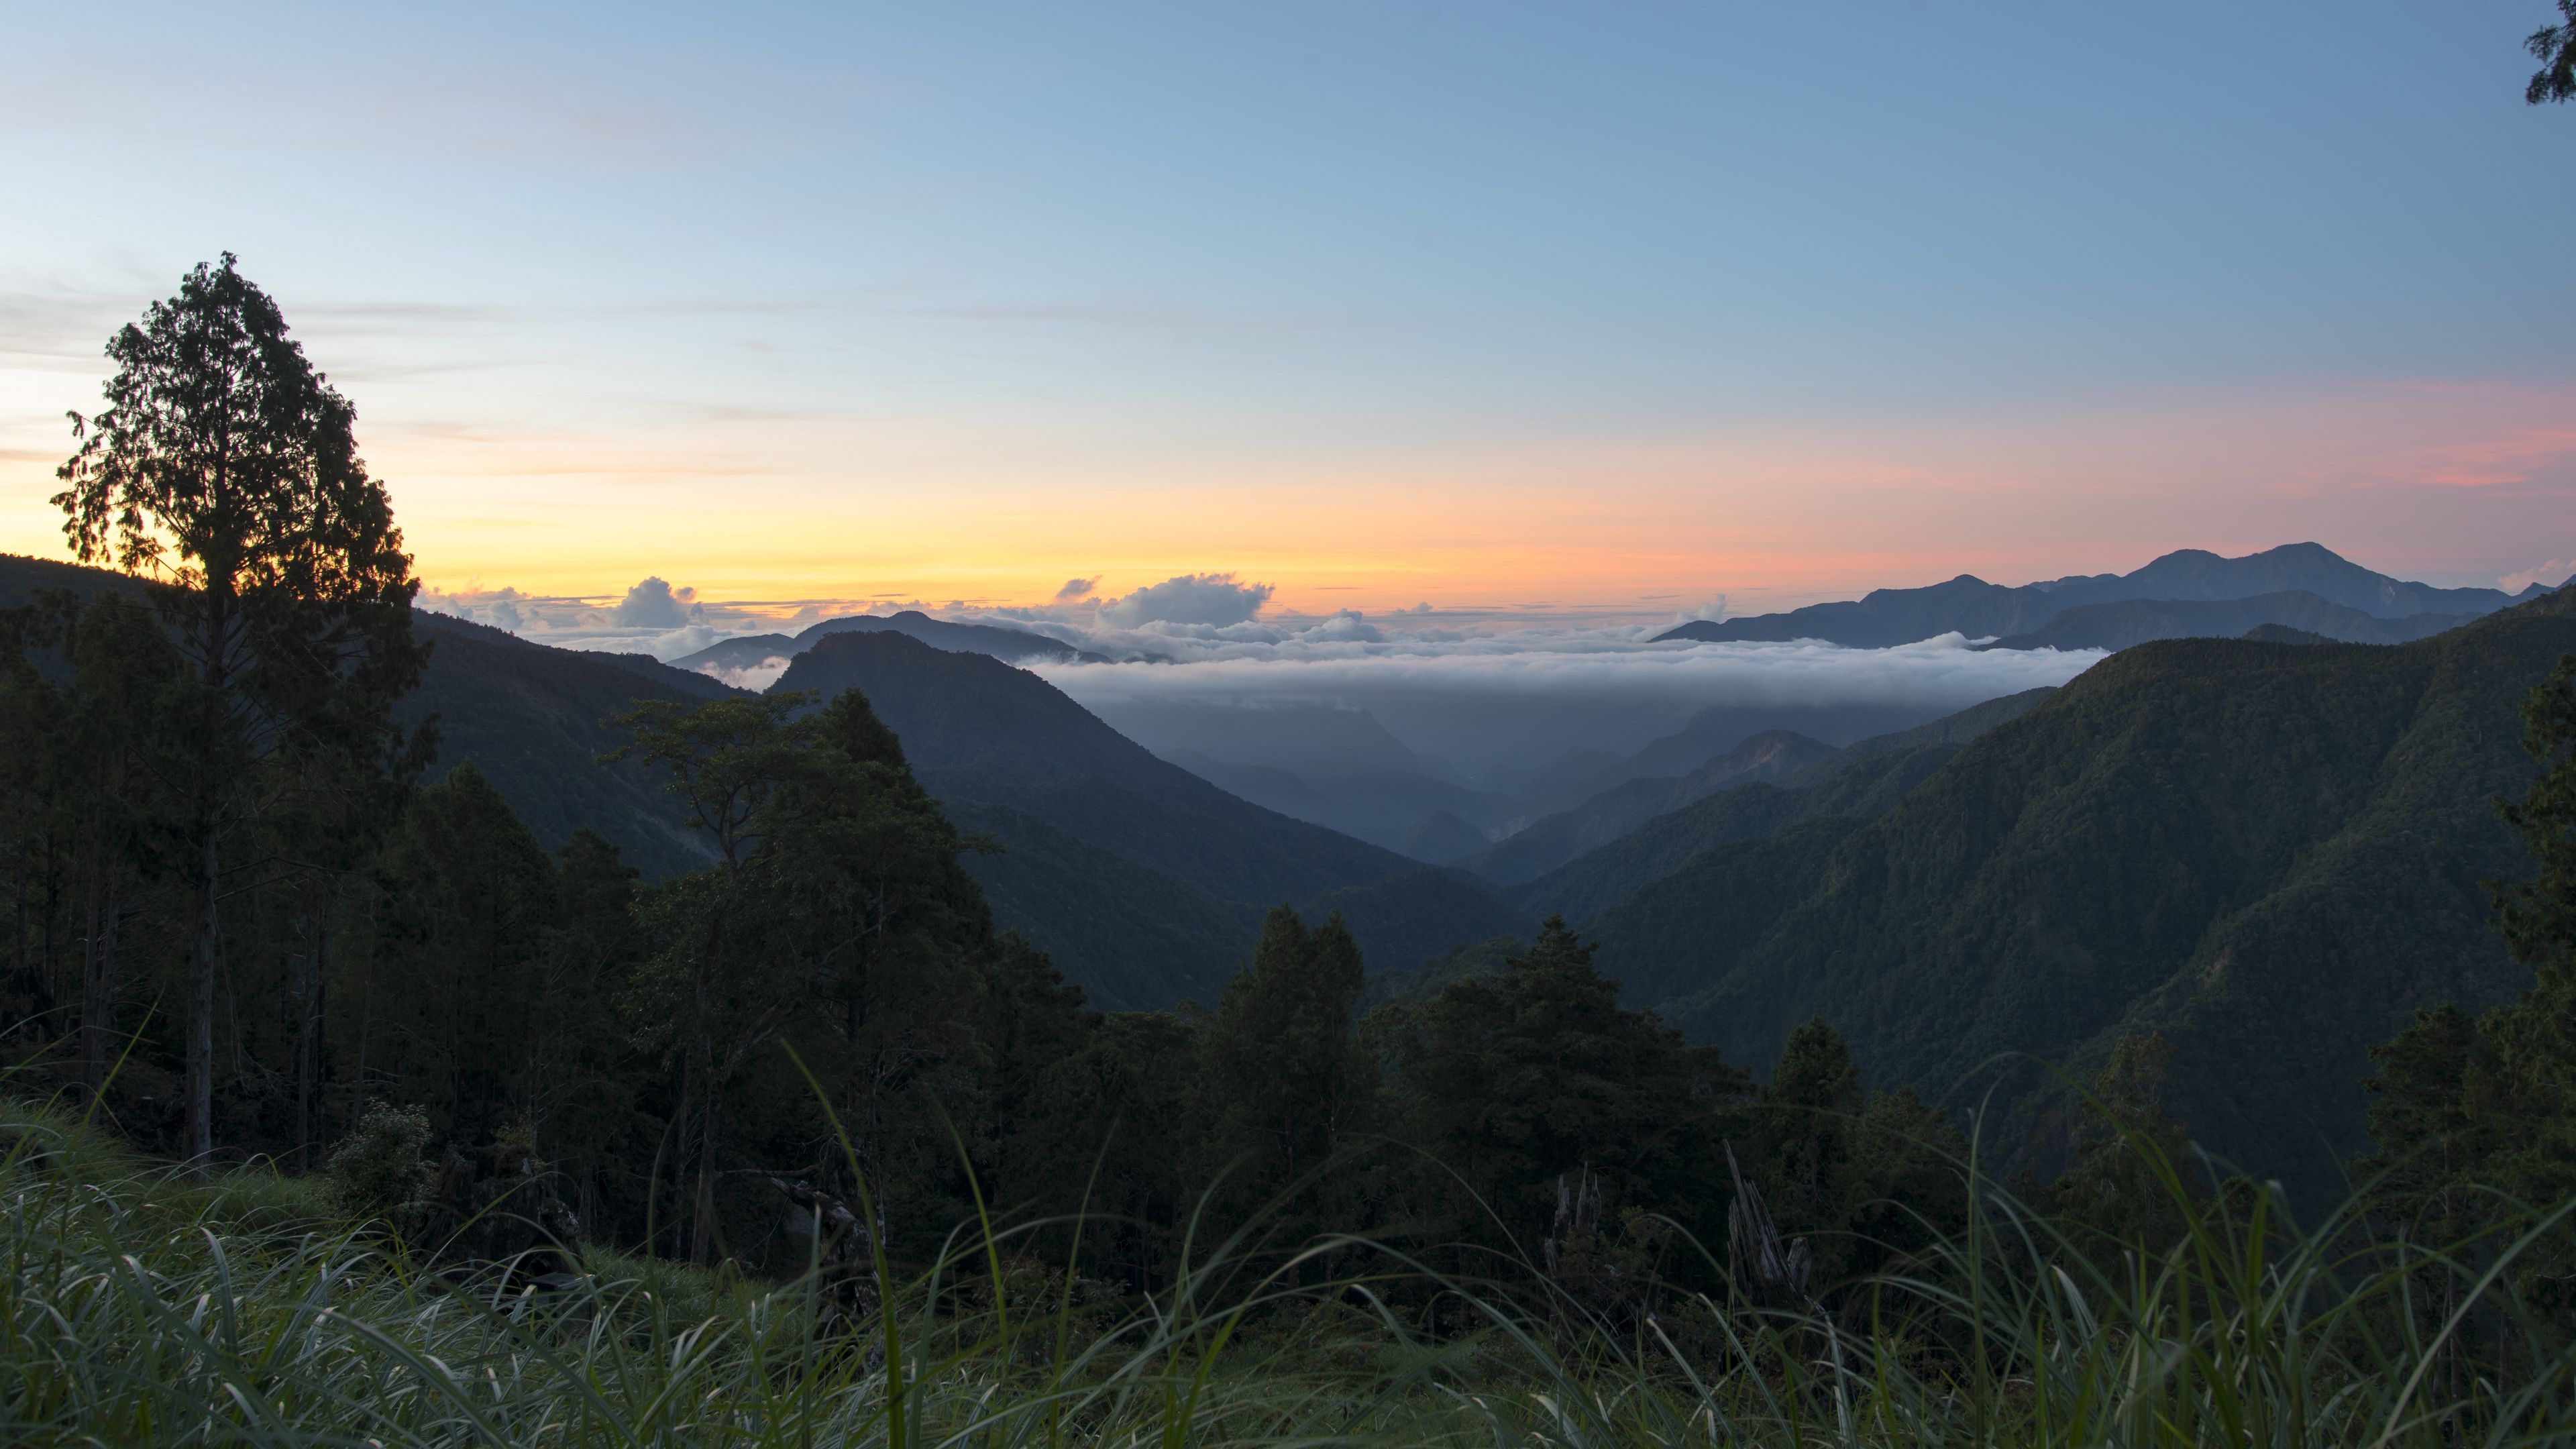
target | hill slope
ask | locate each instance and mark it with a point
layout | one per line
(2269, 852)
(1549, 843)
(2135, 621)
(533, 720)
(529, 716)
(1864, 780)
(1001, 745)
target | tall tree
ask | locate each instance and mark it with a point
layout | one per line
(1519, 1080)
(226, 471)
(1805, 1117)
(1283, 1080)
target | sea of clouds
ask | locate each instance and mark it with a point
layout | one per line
(1437, 676)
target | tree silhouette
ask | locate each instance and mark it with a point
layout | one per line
(2554, 46)
(225, 470)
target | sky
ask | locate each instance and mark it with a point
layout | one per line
(1581, 313)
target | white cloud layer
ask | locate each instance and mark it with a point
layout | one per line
(1346, 660)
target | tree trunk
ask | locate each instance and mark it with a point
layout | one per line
(98, 975)
(308, 1025)
(203, 962)
(702, 1231)
(366, 1023)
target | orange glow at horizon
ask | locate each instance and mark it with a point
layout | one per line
(2404, 478)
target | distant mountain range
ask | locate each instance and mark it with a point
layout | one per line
(1015, 646)
(1979, 610)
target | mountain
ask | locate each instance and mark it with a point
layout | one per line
(1441, 838)
(747, 651)
(1980, 610)
(750, 651)
(1013, 645)
(2197, 574)
(533, 719)
(530, 717)
(1001, 747)
(2269, 853)
(1549, 843)
(2135, 621)
(1884, 618)
(21, 577)
(1864, 780)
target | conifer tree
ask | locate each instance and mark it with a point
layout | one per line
(1284, 1081)
(1516, 1080)
(1805, 1117)
(225, 470)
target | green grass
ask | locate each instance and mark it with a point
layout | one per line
(141, 1306)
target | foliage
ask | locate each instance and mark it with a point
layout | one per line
(138, 1308)
(2554, 46)
(225, 468)
(1510, 1082)
(381, 1172)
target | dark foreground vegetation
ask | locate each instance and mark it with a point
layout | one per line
(347, 1112)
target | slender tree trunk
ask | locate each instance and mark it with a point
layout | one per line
(702, 1231)
(203, 962)
(308, 1024)
(366, 1022)
(98, 975)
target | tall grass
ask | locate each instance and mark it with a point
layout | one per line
(141, 1306)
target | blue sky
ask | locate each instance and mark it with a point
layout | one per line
(1517, 303)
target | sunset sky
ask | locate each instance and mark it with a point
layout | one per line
(1593, 308)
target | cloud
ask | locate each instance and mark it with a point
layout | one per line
(1609, 665)
(2548, 575)
(754, 677)
(1213, 600)
(1076, 589)
(1713, 610)
(500, 608)
(653, 604)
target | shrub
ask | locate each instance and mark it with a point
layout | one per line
(382, 1171)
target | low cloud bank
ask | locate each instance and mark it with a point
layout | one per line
(1346, 660)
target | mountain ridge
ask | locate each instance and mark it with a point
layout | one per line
(1970, 606)
(2196, 837)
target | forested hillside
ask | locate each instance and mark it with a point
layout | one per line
(536, 720)
(2270, 853)
(1002, 748)
(2135, 621)
(1866, 779)
(1545, 844)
